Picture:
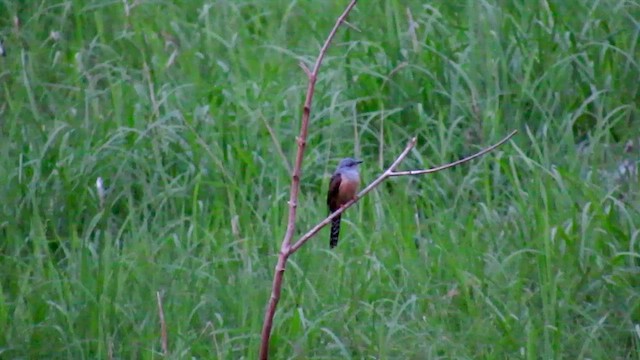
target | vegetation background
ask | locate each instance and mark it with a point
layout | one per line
(188, 110)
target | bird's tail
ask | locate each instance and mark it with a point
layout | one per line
(335, 231)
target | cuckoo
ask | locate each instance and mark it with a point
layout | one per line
(342, 188)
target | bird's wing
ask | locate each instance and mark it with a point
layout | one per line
(334, 190)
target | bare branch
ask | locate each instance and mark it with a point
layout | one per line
(403, 154)
(455, 163)
(295, 188)
(327, 42)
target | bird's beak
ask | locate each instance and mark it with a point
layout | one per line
(359, 162)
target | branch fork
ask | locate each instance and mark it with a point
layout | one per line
(286, 249)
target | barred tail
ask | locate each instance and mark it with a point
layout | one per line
(335, 231)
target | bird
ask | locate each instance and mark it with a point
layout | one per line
(342, 188)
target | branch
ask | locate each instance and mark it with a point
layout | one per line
(455, 163)
(390, 172)
(305, 69)
(295, 188)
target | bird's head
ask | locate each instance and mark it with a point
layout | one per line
(349, 163)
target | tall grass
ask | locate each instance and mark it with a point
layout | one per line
(189, 111)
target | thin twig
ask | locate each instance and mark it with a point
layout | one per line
(295, 188)
(455, 163)
(305, 69)
(400, 66)
(163, 325)
(353, 27)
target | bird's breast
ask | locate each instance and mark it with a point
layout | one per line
(348, 189)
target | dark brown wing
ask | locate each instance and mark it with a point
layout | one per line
(334, 190)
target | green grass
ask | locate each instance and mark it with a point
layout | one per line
(531, 252)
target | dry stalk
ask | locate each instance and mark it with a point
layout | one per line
(163, 326)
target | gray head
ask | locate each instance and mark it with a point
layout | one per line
(349, 163)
